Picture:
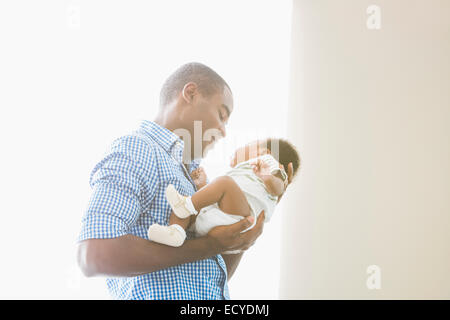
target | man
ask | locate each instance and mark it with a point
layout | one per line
(128, 196)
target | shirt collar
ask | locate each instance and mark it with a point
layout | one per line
(169, 141)
(163, 136)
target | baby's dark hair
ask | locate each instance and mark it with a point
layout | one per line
(284, 151)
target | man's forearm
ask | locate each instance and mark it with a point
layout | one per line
(232, 262)
(130, 256)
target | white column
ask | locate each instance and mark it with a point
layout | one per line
(370, 114)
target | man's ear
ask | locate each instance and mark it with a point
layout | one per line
(189, 91)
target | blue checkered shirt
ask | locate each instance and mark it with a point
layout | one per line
(129, 195)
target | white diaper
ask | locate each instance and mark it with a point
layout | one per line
(211, 216)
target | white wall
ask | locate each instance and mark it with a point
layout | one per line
(76, 74)
(370, 111)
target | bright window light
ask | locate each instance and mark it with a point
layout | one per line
(78, 74)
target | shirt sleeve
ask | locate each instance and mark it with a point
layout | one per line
(121, 182)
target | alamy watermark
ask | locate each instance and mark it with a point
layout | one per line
(199, 143)
(73, 17)
(374, 19)
(373, 282)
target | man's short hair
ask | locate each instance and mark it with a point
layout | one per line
(207, 80)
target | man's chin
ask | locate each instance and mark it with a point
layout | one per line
(208, 147)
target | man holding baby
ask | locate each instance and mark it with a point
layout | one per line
(128, 196)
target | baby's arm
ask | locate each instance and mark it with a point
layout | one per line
(274, 184)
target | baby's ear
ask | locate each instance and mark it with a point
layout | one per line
(279, 175)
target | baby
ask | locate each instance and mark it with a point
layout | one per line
(255, 183)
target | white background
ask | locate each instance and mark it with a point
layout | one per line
(75, 75)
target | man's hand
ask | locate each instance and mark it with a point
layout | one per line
(230, 237)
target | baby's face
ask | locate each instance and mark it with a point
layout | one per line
(249, 151)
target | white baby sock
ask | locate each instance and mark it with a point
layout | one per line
(190, 206)
(181, 205)
(173, 235)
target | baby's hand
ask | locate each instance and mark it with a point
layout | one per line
(199, 177)
(274, 182)
(260, 168)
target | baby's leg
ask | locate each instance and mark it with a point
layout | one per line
(172, 235)
(184, 223)
(224, 191)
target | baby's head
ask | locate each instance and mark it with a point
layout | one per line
(282, 150)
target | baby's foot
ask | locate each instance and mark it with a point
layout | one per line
(173, 235)
(182, 206)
